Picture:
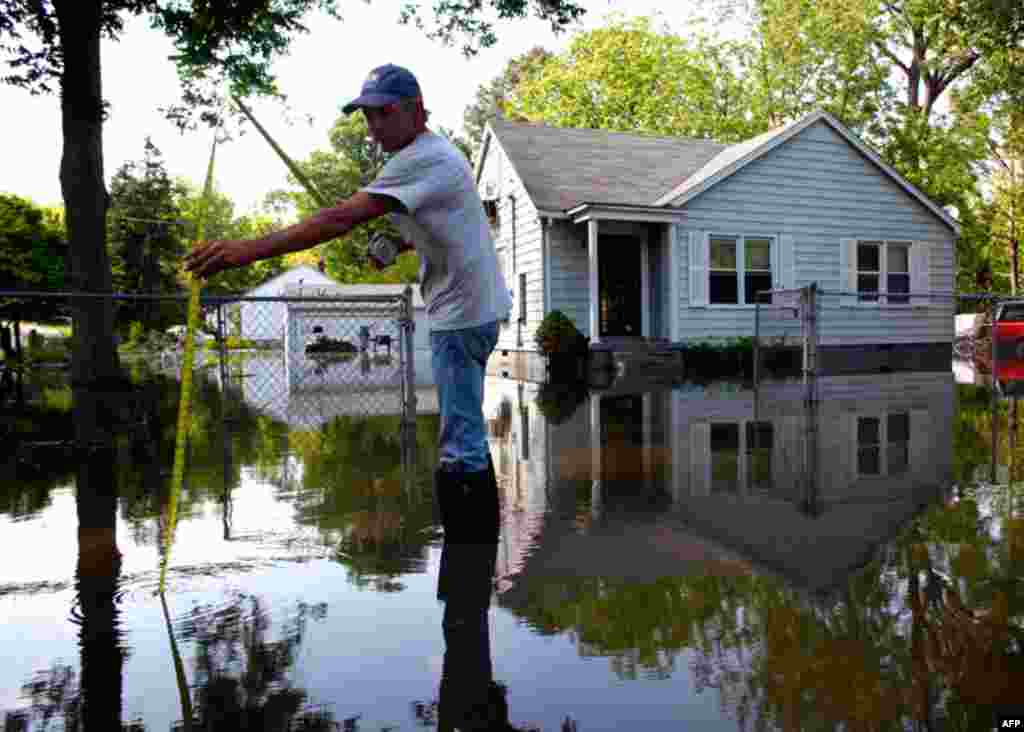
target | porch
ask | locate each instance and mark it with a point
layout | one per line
(630, 266)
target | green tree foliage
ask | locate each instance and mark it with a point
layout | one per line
(1003, 213)
(803, 55)
(221, 223)
(492, 97)
(33, 250)
(146, 237)
(32, 245)
(632, 77)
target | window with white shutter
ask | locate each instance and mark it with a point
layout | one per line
(739, 267)
(740, 456)
(883, 272)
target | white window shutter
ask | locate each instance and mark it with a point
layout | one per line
(920, 442)
(848, 270)
(700, 459)
(920, 270)
(698, 269)
(777, 263)
(787, 261)
(847, 471)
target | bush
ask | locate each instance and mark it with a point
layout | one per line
(136, 333)
(556, 335)
(558, 402)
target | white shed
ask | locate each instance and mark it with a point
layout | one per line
(265, 320)
(345, 321)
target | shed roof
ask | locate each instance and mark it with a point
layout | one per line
(278, 282)
(563, 167)
(354, 290)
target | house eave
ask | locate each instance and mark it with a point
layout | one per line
(589, 211)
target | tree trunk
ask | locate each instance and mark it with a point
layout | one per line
(94, 357)
(99, 564)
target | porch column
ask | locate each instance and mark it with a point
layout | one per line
(595, 294)
(645, 287)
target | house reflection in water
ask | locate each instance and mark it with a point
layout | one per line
(637, 486)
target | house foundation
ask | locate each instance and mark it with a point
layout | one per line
(874, 358)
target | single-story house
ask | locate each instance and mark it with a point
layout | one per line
(667, 239)
(266, 320)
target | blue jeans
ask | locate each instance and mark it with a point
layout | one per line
(459, 359)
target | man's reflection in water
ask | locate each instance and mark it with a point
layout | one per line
(469, 698)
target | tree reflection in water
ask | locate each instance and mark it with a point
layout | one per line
(240, 678)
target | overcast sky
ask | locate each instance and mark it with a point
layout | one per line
(324, 70)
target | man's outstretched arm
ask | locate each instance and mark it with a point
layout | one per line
(211, 257)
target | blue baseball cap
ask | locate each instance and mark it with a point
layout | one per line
(385, 85)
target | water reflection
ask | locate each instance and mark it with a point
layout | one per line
(807, 551)
(849, 560)
(240, 676)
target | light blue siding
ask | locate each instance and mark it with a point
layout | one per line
(517, 222)
(568, 271)
(820, 190)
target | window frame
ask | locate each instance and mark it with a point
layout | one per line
(883, 444)
(741, 267)
(743, 462)
(882, 294)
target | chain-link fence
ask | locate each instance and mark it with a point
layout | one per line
(785, 323)
(304, 357)
(858, 332)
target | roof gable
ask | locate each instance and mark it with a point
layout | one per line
(563, 167)
(736, 157)
(277, 282)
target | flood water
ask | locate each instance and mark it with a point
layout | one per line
(695, 557)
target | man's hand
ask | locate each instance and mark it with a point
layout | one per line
(211, 257)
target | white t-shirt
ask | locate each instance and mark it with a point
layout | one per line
(459, 276)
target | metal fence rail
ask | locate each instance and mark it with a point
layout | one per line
(308, 357)
(810, 318)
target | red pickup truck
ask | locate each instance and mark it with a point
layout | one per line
(1009, 341)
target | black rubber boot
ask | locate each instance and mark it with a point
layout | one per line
(470, 515)
(469, 505)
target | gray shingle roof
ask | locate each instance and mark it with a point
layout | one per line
(563, 167)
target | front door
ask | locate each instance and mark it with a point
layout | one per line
(618, 276)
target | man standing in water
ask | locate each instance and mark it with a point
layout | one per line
(427, 187)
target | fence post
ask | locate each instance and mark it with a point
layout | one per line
(408, 375)
(809, 303)
(757, 340)
(223, 358)
(994, 405)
